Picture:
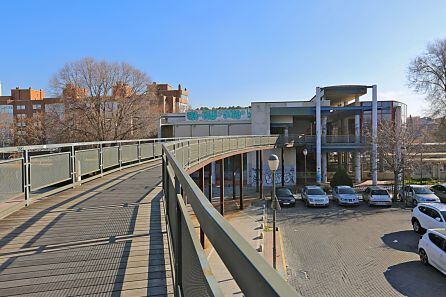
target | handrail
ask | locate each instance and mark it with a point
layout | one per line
(24, 170)
(253, 274)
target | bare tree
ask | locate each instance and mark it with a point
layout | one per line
(6, 129)
(32, 130)
(427, 75)
(108, 101)
(398, 147)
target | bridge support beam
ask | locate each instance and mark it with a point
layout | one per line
(241, 180)
(222, 187)
(282, 167)
(261, 174)
(233, 160)
(210, 182)
(257, 171)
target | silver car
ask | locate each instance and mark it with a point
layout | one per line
(440, 191)
(345, 195)
(314, 196)
(377, 196)
(417, 194)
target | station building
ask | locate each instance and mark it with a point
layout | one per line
(331, 127)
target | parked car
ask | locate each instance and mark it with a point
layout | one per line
(432, 249)
(377, 196)
(428, 216)
(440, 191)
(314, 196)
(417, 194)
(285, 197)
(345, 195)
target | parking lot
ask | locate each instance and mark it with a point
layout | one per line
(355, 251)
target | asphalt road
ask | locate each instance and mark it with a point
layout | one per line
(355, 251)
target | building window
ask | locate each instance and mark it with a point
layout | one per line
(20, 107)
(37, 106)
(21, 124)
(21, 116)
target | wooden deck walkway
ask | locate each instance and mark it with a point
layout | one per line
(104, 238)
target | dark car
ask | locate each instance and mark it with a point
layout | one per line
(285, 197)
(440, 191)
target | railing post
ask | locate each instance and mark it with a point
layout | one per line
(120, 155)
(139, 151)
(101, 159)
(73, 166)
(26, 177)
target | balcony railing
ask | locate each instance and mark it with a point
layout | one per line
(325, 140)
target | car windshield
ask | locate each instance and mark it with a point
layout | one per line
(422, 191)
(283, 192)
(346, 191)
(315, 192)
(379, 192)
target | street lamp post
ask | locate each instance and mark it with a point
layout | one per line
(273, 164)
(305, 152)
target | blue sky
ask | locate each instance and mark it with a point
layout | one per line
(227, 52)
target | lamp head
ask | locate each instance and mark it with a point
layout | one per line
(305, 152)
(273, 162)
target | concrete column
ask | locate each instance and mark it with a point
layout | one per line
(282, 167)
(324, 167)
(210, 166)
(374, 155)
(357, 167)
(324, 155)
(324, 129)
(241, 180)
(233, 176)
(222, 187)
(261, 173)
(357, 155)
(257, 171)
(318, 135)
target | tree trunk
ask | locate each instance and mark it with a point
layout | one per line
(395, 185)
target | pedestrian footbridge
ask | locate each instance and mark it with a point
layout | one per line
(119, 218)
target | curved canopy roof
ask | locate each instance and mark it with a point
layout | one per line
(343, 93)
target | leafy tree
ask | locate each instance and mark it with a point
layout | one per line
(341, 178)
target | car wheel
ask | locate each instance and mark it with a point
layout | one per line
(417, 227)
(423, 257)
(414, 203)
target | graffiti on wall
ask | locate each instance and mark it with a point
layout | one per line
(268, 177)
(219, 114)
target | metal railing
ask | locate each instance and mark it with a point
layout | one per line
(41, 170)
(192, 274)
(297, 139)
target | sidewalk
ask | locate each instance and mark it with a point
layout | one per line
(248, 223)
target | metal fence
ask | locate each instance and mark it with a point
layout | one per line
(31, 169)
(192, 274)
(325, 140)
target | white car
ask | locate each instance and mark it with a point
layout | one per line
(428, 216)
(345, 195)
(432, 249)
(314, 196)
(377, 196)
